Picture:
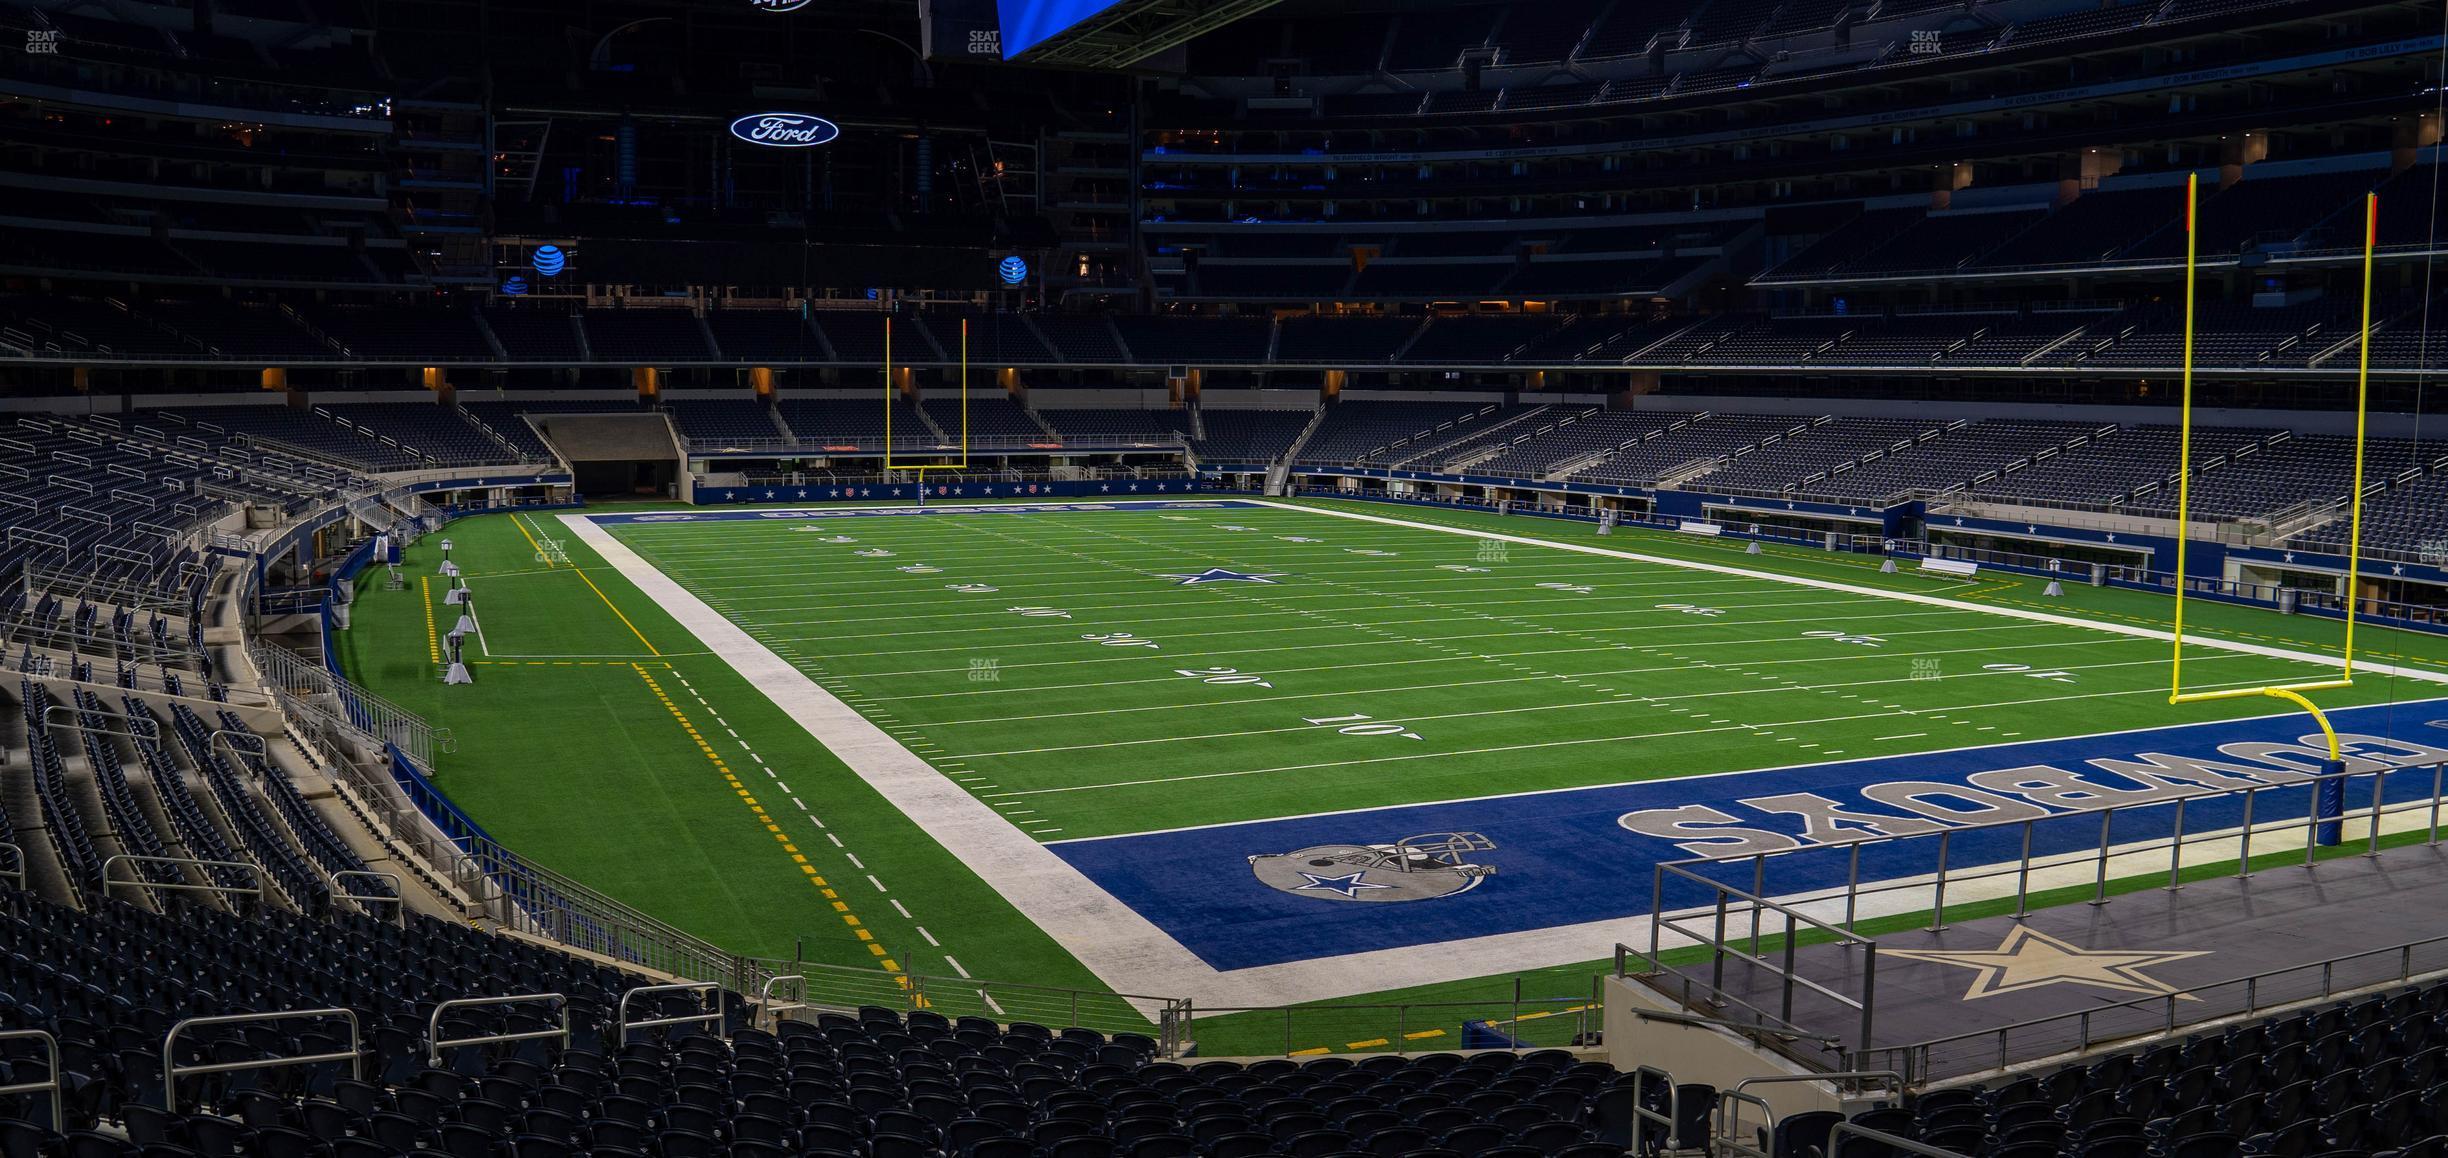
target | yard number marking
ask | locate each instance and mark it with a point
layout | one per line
(1360, 725)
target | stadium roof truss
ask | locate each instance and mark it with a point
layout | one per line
(1134, 30)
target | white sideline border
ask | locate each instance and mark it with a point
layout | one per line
(1123, 948)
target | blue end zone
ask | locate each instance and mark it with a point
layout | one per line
(898, 512)
(1581, 855)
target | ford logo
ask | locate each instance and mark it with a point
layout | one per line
(784, 130)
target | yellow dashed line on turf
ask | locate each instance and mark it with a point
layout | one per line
(433, 642)
(815, 879)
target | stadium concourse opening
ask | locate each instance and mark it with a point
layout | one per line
(616, 455)
(1223, 579)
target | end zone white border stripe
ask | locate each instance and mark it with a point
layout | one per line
(1880, 592)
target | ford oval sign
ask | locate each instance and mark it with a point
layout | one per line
(784, 130)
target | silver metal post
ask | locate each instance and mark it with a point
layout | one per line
(2437, 772)
(1938, 897)
(2379, 783)
(2176, 850)
(1853, 887)
(2022, 875)
(2099, 885)
(2244, 839)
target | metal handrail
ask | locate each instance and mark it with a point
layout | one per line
(398, 897)
(1846, 1129)
(765, 1003)
(435, 1043)
(255, 890)
(1728, 1135)
(1920, 1052)
(70, 718)
(1726, 1138)
(1795, 919)
(621, 1025)
(1641, 1077)
(50, 1085)
(172, 1071)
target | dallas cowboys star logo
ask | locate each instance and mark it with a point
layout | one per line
(1347, 886)
(2031, 959)
(1220, 575)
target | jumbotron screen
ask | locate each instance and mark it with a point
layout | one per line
(1027, 23)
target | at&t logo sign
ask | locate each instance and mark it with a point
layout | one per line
(784, 130)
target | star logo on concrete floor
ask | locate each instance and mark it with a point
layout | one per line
(2030, 959)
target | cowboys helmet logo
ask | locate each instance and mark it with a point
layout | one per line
(1417, 868)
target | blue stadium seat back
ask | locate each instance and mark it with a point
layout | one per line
(604, 1133)
(1163, 1146)
(1126, 1131)
(1551, 1137)
(1395, 1141)
(1803, 1135)
(2405, 1117)
(460, 1140)
(1472, 1139)
(1520, 1116)
(686, 1144)
(2434, 1146)
(539, 1146)
(2117, 1147)
(1247, 1145)
(1443, 1120)
(2027, 1150)
(2207, 1145)
(1613, 1116)
(2295, 1140)
(1368, 1122)
(1317, 1144)
(1959, 1139)
(887, 1145)
(1562, 1103)
(999, 1148)
(1048, 1133)
(1511, 1152)
(89, 1144)
(328, 1120)
(1890, 1120)
(2350, 1129)
(755, 1148)
(1213, 1126)
(1288, 1126)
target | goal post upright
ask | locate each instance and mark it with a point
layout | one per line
(2330, 799)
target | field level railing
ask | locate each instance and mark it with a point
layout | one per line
(1754, 909)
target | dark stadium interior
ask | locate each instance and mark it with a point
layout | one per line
(264, 261)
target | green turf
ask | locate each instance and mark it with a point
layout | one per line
(1532, 669)
(570, 758)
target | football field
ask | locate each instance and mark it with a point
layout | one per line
(1117, 723)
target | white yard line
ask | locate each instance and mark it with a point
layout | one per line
(1855, 589)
